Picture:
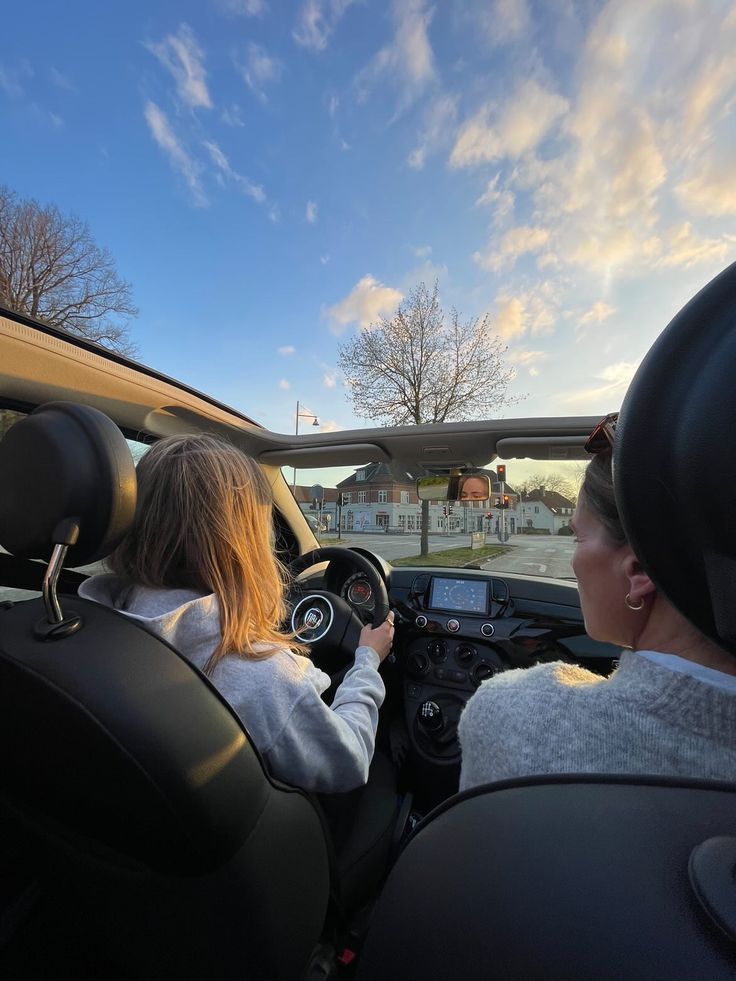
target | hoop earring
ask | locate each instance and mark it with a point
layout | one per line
(631, 606)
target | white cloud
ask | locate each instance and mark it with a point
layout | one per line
(614, 380)
(514, 243)
(330, 426)
(366, 303)
(532, 311)
(317, 21)
(324, 259)
(183, 58)
(510, 321)
(711, 190)
(333, 105)
(526, 357)
(231, 116)
(407, 61)
(259, 69)
(311, 212)
(226, 172)
(329, 379)
(507, 20)
(247, 8)
(60, 80)
(284, 385)
(685, 248)
(286, 350)
(501, 200)
(439, 119)
(422, 251)
(534, 372)
(599, 312)
(516, 128)
(179, 159)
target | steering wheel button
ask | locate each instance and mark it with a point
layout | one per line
(421, 621)
(453, 625)
(487, 629)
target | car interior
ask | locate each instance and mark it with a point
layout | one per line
(139, 845)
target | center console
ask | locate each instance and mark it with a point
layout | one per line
(457, 622)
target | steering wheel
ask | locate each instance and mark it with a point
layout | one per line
(327, 622)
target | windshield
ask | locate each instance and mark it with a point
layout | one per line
(372, 507)
(331, 214)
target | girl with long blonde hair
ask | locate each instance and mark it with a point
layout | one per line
(197, 568)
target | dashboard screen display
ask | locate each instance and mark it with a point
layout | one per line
(460, 595)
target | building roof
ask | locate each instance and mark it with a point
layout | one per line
(303, 495)
(551, 499)
(381, 472)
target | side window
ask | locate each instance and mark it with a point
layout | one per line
(8, 418)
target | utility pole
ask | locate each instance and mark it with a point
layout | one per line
(501, 474)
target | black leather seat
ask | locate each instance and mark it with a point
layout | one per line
(153, 842)
(604, 877)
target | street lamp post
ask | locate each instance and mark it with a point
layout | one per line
(301, 415)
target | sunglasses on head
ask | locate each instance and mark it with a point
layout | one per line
(602, 436)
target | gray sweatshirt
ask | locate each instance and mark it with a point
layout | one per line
(559, 718)
(303, 741)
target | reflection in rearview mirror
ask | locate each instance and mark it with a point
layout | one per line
(472, 486)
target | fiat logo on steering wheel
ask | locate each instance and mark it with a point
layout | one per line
(313, 618)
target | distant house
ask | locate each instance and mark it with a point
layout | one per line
(375, 499)
(545, 510)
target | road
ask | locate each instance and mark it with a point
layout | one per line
(531, 555)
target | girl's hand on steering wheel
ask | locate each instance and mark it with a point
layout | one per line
(379, 638)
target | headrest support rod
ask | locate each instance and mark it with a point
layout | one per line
(50, 580)
(56, 626)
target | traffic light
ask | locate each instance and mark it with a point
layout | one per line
(501, 473)
(449, 507)
(444, 511)
(489, 514)
(505, 501)
(497, 503)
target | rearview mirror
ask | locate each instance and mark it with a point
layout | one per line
(472, 486)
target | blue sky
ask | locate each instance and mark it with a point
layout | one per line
(272, 176)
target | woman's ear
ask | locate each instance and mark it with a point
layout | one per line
(640, 585)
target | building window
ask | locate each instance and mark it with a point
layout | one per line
(347, 498)
(536, 510)
(360, 475)
(362, 497)
(405, 497)
(402, 520)
(383, 497)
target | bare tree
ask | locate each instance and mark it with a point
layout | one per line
(52, 269)
(556, 482)
(417, 367)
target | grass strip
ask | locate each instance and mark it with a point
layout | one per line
(454, 557)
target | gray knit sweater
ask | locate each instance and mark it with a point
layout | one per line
(559, 718)
(304, 741)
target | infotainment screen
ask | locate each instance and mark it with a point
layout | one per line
(459, 595)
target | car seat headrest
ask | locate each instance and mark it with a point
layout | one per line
(65, 464)
(675, 465)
